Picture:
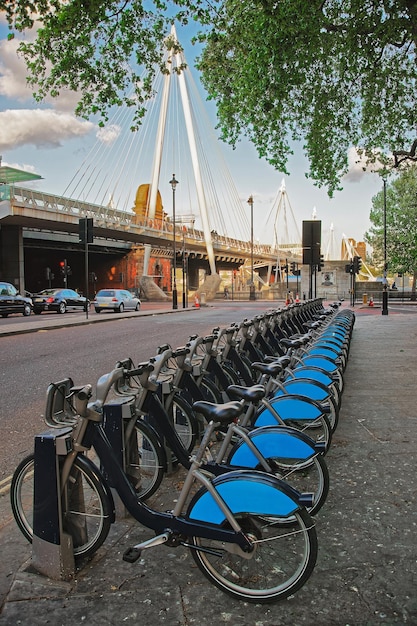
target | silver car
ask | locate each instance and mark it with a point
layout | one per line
(116, 300)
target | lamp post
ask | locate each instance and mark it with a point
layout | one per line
(184, 271)
(252, 284)
(173, 182)
(385, 286)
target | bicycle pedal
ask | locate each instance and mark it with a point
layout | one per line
(131, 555)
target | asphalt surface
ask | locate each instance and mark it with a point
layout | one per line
(366, 569)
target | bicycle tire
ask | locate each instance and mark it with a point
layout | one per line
(309, 477)
(319, 430)
(210, 390)
(281, 562)
(231, 374)
(145, 460)
(96, 518)
(184, 420)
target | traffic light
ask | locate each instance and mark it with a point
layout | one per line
(321, 263)
(65, 268)
(284, 268)
(293, 268)
(349, 268)
(85, 230)
(357, 264)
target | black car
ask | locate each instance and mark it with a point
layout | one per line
(59, 300)
(12, 302)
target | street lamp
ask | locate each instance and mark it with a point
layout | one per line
(252, 284)
(184, 271)
(173, 182)
(385, 286)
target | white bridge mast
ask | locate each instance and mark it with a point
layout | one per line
(156, 168)
(196, 166)
(193, 150)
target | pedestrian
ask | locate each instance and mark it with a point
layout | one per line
(226, 293)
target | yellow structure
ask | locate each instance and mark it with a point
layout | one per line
(141, 207)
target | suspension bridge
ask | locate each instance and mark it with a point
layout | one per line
(126, 191)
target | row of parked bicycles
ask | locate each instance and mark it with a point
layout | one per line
(249, 411)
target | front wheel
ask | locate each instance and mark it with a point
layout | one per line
(281, 561)
(87, 519)
(184, 421)
(145, 460)
(27, 310)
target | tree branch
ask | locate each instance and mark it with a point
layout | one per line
(406, 155)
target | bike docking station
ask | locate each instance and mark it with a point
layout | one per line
(52, 547)
(118, 426)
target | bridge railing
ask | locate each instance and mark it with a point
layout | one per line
(110, 216)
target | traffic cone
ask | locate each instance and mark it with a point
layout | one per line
(297, 298)
(371, 301)
(196, 302)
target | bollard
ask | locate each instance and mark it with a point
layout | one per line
(365, 298)
(52, 548)
(203, 299)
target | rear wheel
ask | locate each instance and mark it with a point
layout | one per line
(281, 561)
(27, 310)
(307, 477)
(62, 307)
(121, 308)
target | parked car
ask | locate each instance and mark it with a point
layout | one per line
(12, 302)
(115, 300)
(59, 300)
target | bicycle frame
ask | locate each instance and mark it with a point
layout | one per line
(217, 507)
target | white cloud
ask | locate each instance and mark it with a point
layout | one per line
(13, 72)
(358, 166)
(13, 84)
(109, 134)
(41, 128)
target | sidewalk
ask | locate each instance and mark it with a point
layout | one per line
(366, 569)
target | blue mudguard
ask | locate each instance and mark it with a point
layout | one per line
(319, 350)
(289, 407)
(305, 387)
(314, 373)
(321, 361)
(280, 443)
(244, 492)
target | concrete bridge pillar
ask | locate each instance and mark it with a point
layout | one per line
(193, 276)
(11, 256)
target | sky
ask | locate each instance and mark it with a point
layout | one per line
(49, 140)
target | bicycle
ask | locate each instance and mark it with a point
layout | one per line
(233, 524)
(284, 453)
